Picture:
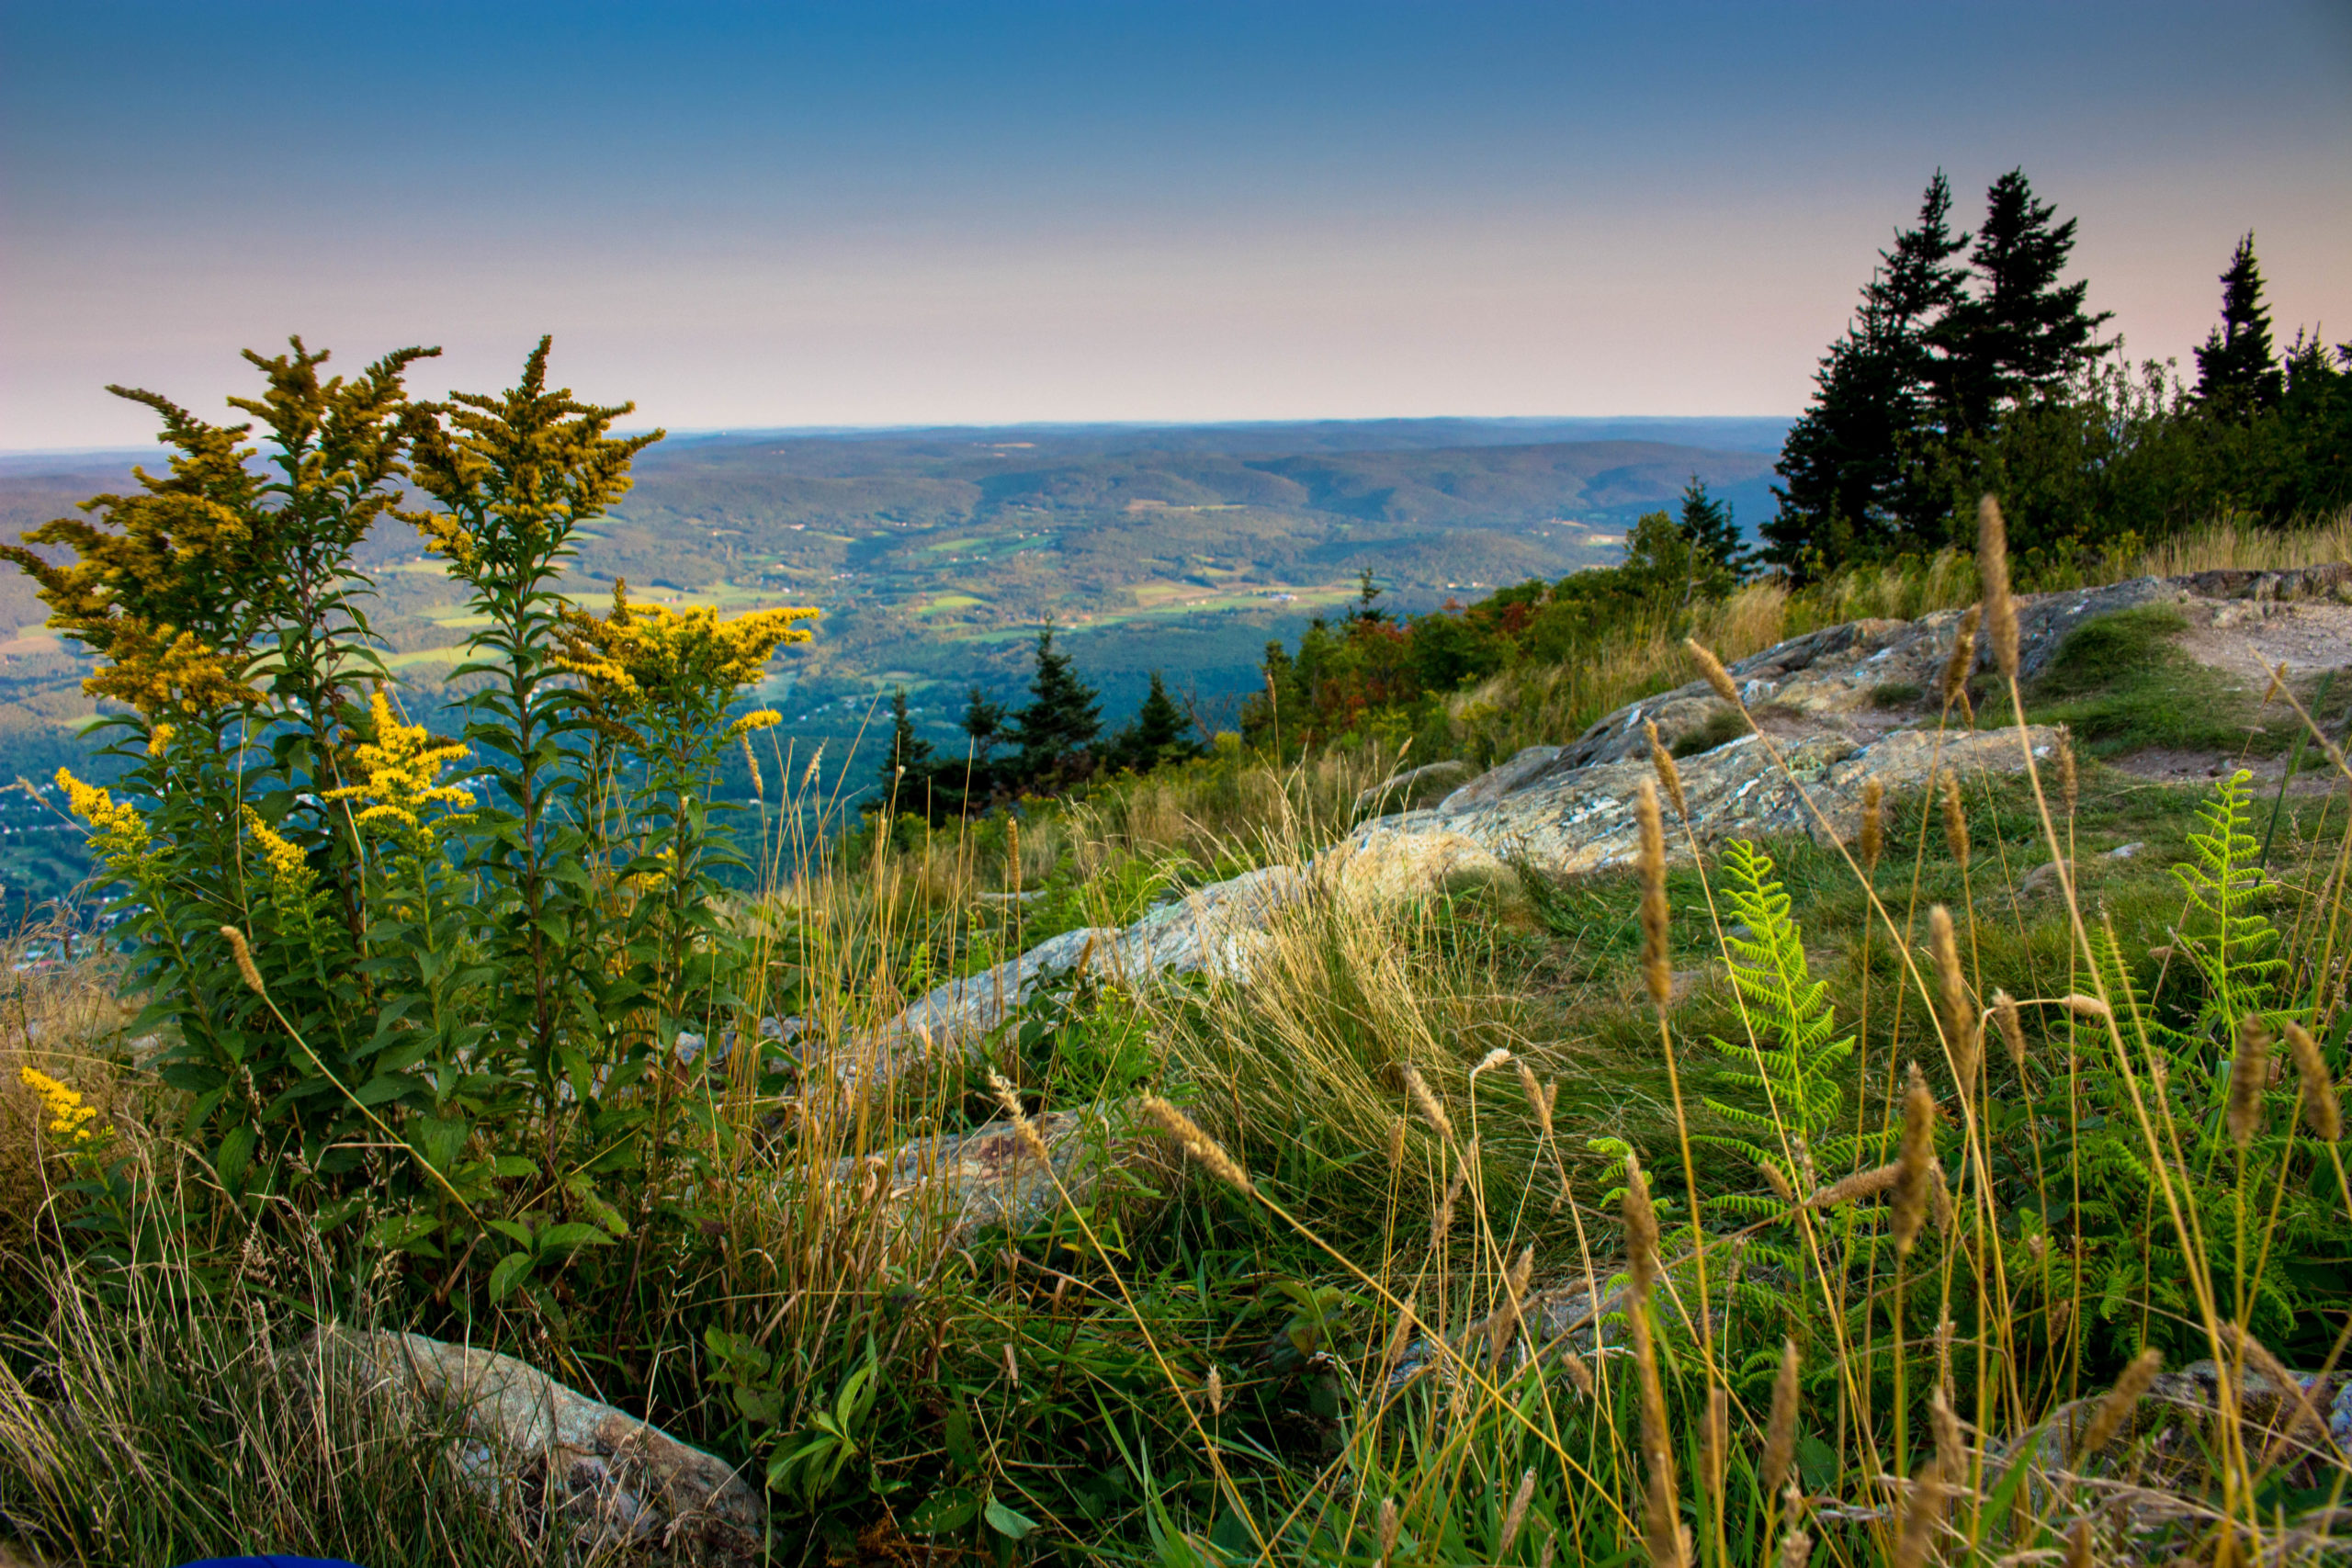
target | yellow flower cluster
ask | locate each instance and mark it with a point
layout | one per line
(289, 869)
(69, 1119)
(681, 667)
(445, 535)
(118, 832)
(403, 766)
(757, 719)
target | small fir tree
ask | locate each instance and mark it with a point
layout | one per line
(1158, 734)
(1056, 731)
(2237, 372)
(1707, 524)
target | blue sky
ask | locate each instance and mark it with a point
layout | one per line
(782, 215)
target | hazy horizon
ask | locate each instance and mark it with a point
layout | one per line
(922, 215)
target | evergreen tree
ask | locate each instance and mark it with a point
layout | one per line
(983, 721)
(2236, 371)
(906, 767)
(2021, 331)
(1158, 734)
(1060, 723)
(1707, 524)
(1366, 592)
(1849, 469)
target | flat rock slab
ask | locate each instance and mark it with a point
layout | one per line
(620, 1480)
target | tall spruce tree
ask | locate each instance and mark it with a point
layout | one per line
(2237, 370)
(2021, 331)
(1850, 476)
(1058, 727)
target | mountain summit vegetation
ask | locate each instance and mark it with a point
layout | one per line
(1975, 364)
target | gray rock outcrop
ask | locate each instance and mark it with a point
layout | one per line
(615, 1479)
(1830, 710)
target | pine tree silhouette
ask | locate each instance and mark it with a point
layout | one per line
(2237, 371)
(2022, 331)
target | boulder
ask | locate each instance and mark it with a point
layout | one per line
(1413, 788)
(1380, 865)
(617, 1481)
(1496, 781)
(991, 1175)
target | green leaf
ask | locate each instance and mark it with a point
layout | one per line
(384, 1087)
(949, 1508)
(1007, 1523)
(439, 1141)
(558, 1240)
(236, 1154)
(511, 1268)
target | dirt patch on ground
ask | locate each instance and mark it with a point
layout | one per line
(2249, 638)
(2162, 765)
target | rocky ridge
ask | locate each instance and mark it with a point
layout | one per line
(1838, 706)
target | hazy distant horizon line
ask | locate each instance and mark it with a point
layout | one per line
(804, 431)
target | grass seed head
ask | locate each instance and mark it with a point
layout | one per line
(2299, 1412)
(1387, 1528)
(1993, 575)
(1963, 658)
(1713, 669)
(1874, 823)
(1961, 1029)
(2323, 1113)
(244, 956)
(2005, 1012)
(1655, 971)
(1916, 1168)
(1197, 1143)
(1427, 1103)
(2069, 781)
(1397, 1144)
(1778, 1182)
(1861, 1184)
(2249, 1077)
(1781, 1431)
(1579, 1374)
(1215, 1391)
(2121, 1400)
(1641, 1229)
(1669, 776)
(751, 758)
(1517, 1514)
(1796, 1549)
(1539, 1100)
